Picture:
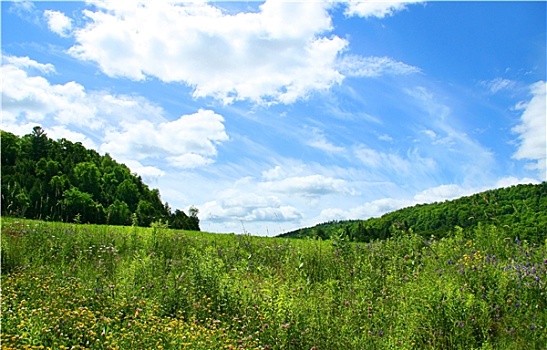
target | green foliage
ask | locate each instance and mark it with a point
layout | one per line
(61, 180)
(522, 207)
(106, 287)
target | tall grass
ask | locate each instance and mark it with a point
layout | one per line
(101, 287)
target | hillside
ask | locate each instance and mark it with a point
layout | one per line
(63, 181)
(520, 209)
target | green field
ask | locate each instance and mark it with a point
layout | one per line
(104, 287)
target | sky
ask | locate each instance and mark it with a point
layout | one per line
(272, 116)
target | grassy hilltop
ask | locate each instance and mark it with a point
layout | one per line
(68, 286)
(522, 210)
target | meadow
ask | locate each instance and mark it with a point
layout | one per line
(68, 286)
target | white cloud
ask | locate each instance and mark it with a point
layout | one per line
(442, 193)
(60, 131)
(385, 161)
(259, 56)
(513, 181)
(33, 98)
(374, 208)
(357, 66)
(58, 22)
(129, 127)
(234, 205)
(385, 137)
(376, 8)
(430, 133)
(150, 174)
(25, 63)
(187, 142)
(449, 144)
(317, 139)
(311, 185)
(27, 98)
(532, 130)
(498, 84)
(274, 173)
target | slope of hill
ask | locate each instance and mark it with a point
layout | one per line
(63, 181)
(520, 209)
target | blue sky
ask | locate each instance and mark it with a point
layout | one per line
(278, 115)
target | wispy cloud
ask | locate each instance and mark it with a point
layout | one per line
(496, 85)
(357, 66)
(317, 139)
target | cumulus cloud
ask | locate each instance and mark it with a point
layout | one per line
(238, 205)
(30, 98)
(129, 127)
(60, 131)
(376, 8)
(311, 185)
(532, 130)
(150, 174)
(25, 63)
(259, 56)
(58, 22)
(187, 142)
(373, 208)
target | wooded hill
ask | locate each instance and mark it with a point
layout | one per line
(63, 181)
(520, 210)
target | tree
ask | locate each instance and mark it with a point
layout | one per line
(118, 213)
(61, 180)
(128, 192)
(78, 203)
(193, 223)
(10, 149)
(146, 214)
(39, 143)
(87, 178)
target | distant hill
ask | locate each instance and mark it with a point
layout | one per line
(521, 209)
(63, 181)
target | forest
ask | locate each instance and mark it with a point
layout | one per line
(521, 208)
(63, 181)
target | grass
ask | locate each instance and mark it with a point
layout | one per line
(103, 287)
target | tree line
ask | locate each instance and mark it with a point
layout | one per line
(520, 210)
(59, 180)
